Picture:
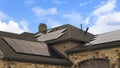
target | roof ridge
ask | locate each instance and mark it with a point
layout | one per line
(9, 32)
(58, 26)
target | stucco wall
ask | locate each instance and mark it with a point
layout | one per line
(13, 64)
(112, 54)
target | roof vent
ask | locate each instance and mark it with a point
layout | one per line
(81, 26)
(42, 28)
(86, 30)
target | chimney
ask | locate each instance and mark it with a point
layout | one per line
(42, 28)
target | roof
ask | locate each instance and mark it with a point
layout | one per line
(71, 33)
(50, 36)
(94, 47)
(105, 37)
(104, 40)
(12, 47)
(23, 36)
(27, 47)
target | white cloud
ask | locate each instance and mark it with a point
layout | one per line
(29, 2)
(3, 16)
(40, 12)
(106, 8)
(87, 20)
(73, 17)
(24, 25)
(8, 25)
(102, 3)
(43, 15)
(105, 18)
(106, 23)
(12, 26)
(57, 2)
(53, 23)
(85, 3)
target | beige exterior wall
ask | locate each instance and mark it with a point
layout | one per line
(62, 47)
(13, 64)
(112, 54)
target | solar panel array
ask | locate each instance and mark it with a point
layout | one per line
(39, 34)
(51, 35)
(28, 47)
(106, 37)
(48, 31)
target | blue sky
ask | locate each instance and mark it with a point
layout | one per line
(19, 16)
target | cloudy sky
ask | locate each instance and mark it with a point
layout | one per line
(19, 16)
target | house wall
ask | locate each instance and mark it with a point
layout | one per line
(13, 64)
(112, 54)
(62, 47)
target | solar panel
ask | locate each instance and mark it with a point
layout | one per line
(39, 34)
(51, 36)
(48, 31)
(106, 37)
(28, 47)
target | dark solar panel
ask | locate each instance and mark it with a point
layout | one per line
(39, 34)
(105, 37)
(51, 35)
(48, 31)
(22, 46)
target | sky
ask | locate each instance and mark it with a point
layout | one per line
(19, 16)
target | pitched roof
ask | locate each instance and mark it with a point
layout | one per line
(94, 47)
(105, 37)
(27, 47)
(50, 36)
(27, 36)
(23, 36)
(105, 40)
(9, 42)
(71, 33)
(61, 33)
